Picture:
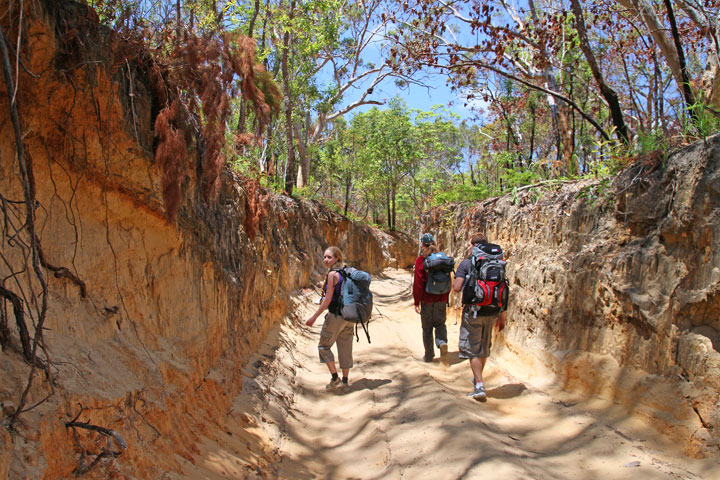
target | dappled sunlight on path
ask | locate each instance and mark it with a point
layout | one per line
(404, 418)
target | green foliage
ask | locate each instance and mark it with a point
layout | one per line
(608, 158)
(462, 193)
(399, 162)
(305, 192)
(387, 165)
(514, 178)
(648, 143)
(703, 122)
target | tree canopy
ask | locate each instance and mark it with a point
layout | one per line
(286, 91)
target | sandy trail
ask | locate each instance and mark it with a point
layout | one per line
(404, 418)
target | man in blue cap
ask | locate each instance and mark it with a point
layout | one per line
(431, 307)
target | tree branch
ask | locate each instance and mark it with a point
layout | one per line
(510, 76)
(102, 430)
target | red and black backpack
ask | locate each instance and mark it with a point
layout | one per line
(487, 288)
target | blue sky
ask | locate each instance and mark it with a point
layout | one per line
(438, 93)
(417, 97)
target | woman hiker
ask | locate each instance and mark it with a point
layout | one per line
(335, 329)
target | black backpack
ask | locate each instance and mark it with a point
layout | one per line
(438, 267)
(487, 288)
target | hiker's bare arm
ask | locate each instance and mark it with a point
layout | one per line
(458, 283)
(331, 282)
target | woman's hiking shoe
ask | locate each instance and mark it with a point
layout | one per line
(334, 383)
(478, 393)
(345, 387)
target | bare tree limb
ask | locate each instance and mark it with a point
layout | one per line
(528, 84)
(102, 430)
(610, 96)
(104, 453)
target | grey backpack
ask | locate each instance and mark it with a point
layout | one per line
(438, 267)
(356, 298)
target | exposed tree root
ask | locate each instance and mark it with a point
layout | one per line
(106, 452)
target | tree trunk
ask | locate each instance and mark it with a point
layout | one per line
(256, 11)
(686, 88)
(177, 19)
(394, 209)
(563, 138)
(655, 27)
(387, 206)
(532, 133)
(265, 160)
(709, 26)
(659, 95)
(304, 164)
(570, 164)
(608, 93)
(713, 96)
(290, 168)
(264, 30)
(348, 183)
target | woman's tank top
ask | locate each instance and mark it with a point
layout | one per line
(335, 304)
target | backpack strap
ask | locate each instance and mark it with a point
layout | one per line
(367, 333)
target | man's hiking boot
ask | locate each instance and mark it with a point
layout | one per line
(345, 387)
(427, 359)
(478, 393)
(334, 383)
(443, 350)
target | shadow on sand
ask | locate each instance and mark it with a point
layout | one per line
(364, 384)
(509, 390)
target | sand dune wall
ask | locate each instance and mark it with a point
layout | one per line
(615, 287)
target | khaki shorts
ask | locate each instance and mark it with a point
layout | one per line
(336, 330)
(475, 335)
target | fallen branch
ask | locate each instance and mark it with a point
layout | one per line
(104, 431)
(108, 452)
(542, 184)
